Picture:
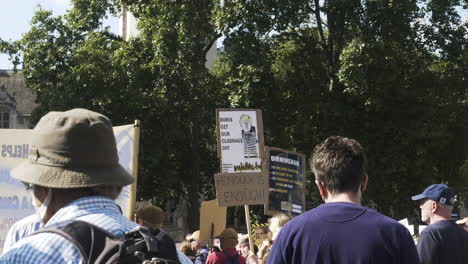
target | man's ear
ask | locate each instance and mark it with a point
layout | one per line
(365, 180)
(40, 193)
(434, 206)
(322, 189)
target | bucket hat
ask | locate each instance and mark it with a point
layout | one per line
(73, 149)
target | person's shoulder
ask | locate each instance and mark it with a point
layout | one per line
(213, 257)
(308, 217)
(183, 258)
(448, 226)
(117, 225)
(382, 219)
(42, 248)
(27, 221)
(384, 222)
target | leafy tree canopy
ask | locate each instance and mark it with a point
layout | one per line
(390, 73)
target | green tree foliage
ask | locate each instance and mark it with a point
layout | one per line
(389, 73)
(158, 77)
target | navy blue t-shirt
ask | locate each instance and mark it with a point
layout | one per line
(443, 242)
(335, 233)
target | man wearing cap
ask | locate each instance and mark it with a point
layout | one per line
(442, 241)
(228, 240)
(72, 173)
(342, 231)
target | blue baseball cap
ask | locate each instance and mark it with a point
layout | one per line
(440, 193)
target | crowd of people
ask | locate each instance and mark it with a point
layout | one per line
(73, 176)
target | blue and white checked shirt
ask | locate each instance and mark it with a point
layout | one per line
(21, 229)
(53, 248)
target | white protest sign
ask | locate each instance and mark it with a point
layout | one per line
(15, 201)
(240, 140)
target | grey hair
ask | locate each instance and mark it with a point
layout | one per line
(446, 207)
(276, 223)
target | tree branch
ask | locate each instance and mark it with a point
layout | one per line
(323, 43)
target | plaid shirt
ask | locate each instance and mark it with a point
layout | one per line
(21, 229)
(53, 248)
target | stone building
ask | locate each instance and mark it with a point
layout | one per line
(16, 101)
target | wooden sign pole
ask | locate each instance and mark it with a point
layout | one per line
(136, 148)
(249, 228)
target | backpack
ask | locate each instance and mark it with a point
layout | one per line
(97, 246)
(231, 260)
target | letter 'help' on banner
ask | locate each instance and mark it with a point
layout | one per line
(15, 201)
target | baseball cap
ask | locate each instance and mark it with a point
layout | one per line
(440, 193)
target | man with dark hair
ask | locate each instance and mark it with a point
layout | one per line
(341, 230)
(72, 173)
(442, 241)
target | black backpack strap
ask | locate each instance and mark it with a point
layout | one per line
(87, 238)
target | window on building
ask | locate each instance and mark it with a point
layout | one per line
(4, 118)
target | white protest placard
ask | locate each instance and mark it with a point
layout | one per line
(240, 140)
(15, 201)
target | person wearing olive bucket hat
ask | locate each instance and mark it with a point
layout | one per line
(72, 173)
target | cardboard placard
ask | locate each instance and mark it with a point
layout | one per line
(212, 218)
(233, 189)
(240, 140)
(260, 233)
(285, 182)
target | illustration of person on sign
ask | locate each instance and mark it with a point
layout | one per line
(249, 137)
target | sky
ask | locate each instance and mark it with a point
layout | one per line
(15, 16)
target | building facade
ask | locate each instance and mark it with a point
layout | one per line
(16, 101)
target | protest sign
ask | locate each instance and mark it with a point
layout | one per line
(285, 182)
(260, 233)
(406, 224)
(243, 188)
(240, 140)
(127, 139)
(212, 220)
(15, 201)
